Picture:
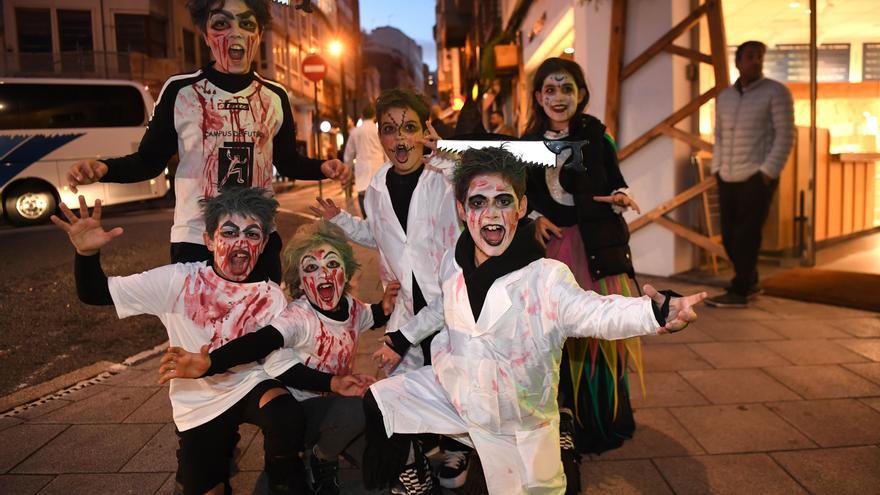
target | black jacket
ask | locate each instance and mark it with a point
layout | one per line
(604, 232)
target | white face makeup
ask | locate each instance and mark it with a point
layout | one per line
(491, 212)
(559, 97)
(233, 34)
(322, 276)
(237, 243)
(399, 132)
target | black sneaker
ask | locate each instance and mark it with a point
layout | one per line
(571, 460)
(453, 473)
(754, 291)
(324, 475)
(727, 300)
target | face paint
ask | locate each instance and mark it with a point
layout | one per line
(399, 133)
(322, 276)
(237, 243)
(233, 34)
(492, 211)
(559, 97)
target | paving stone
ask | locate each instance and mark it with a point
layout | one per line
(805, 329)
(732, 386)
(811, 311)
(158, 454)
(251, 457)
(43, 408)
(727, 331)
(97, 448)
(90, 484)
(872, 402)
(9, 421)
(110, 406)
(823, 382)
(658, 434)
(20, 441)
(814, 352)
(23, 485)
(870, 348)
(851, 470)
(156, 409)
(727, 474)
(871, 371)
(248, 482)
(737, 314)
(672, 357)
(151, 364)
(859, 327)
(740, 428)
(832, 423)
(83, 393)
(693, 333)
(168, 486)
(664, 389)
(622, 478)
(738, 355)
(133, 377)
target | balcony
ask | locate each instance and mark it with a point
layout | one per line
(454, 22)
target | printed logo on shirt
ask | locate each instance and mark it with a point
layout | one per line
(233, 105)
(235, 165)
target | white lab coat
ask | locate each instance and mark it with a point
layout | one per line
(496, 379)
(432, 229)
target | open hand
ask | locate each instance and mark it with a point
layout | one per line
(326, 208)
(545, 229)
(385, 357)
(180, 363)
(619, 199)
(390, 297)
(351, 385)
(85, 172)
(336, 169)
(681, 311)
(86, 232)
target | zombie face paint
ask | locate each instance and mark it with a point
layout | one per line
(491, 212)
(233, 34)
(322, 276)
(559, 97)
(237, 243)
(399, 132)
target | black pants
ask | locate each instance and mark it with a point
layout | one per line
(361, 195)
(268, 264)
(203, 450)
(744, 208)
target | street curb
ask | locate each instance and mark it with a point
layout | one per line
(57, 387)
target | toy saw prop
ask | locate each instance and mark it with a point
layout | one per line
(533, 153)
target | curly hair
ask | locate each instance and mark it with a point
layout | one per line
(403, 98)
(200, 10)
(487, 161)
(245, 201)
(308, 237)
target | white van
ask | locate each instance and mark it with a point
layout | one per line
(48, 124)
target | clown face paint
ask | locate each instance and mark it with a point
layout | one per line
(233, 34)
(491, 213)
(237, 243)
(559, 97)
(322, 276)
(399, 132)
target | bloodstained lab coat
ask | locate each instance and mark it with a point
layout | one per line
(432, 229)
(501, 372)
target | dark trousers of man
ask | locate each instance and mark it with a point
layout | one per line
(744, 208)
(361, 196)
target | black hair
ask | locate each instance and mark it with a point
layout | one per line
(200, 10)
(246, 201)
(752, 43)
(538, 120)
(368, 112)
(403, 98)
(488, 161)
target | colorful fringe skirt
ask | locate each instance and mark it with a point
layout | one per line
(594, 377)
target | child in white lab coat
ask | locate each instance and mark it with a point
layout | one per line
(505, 313)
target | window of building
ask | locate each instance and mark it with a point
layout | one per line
(53, 106)
(189, 48)
(141, 33)
(75, 30)
(31, 26)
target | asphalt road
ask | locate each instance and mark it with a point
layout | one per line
(45, 331)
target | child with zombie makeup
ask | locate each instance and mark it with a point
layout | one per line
(203, 306)
(229, 126)
(411, 219)
(504, 315)
(310, 347)
(578, 216)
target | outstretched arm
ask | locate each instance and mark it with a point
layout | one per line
(357, 229)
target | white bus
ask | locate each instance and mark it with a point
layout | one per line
(48, 124)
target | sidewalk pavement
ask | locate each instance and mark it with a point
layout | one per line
(782, 397)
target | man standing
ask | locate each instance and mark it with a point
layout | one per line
(363, 146)
(497, 125)
(754, 132)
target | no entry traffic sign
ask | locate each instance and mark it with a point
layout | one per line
(314, 68)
